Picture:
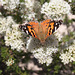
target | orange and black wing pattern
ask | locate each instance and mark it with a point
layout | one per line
(46, 28)
(33, 28)
(50, 26)
(30, 28)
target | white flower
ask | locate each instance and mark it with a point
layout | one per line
(55, 10)
(14, 37)
(65, 57)
(58, 35)
(0, 14)
(10, 4)
(9, 62)
(5, 23)
(29, 4)
(61, 32)
(43, 53)
(30, 9)
(69, 0)
(69, 55)
(30, 16)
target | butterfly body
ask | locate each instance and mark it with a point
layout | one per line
(41, 33)
(41, 30)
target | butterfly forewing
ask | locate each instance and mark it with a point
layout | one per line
(48, 27)
(33, 28)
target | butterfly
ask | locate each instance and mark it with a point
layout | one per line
(41, 30)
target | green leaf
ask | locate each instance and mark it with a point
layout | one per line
(0, 71)
(73, 62)
(73, 71)
(25, 73)
(21, 0)
(4, 52)
(57, 67)
(55, 71)
(49, 69)
(42, 1)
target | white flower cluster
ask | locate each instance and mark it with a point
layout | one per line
(58, 35)
(5, 23)
(69, 55)
(9, 62)
(0, 14)
(55, 9)
(10, 4)
(30, 9)
(43, 53)
(13, 37)
(69, 0)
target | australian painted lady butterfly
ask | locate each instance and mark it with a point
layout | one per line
(41, 30)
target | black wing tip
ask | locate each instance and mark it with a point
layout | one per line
(57, 23)
(60, 22)
(22, 26)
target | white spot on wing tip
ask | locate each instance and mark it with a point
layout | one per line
(56, 23)
(55, 28)
(27, 32)
(25, 28)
